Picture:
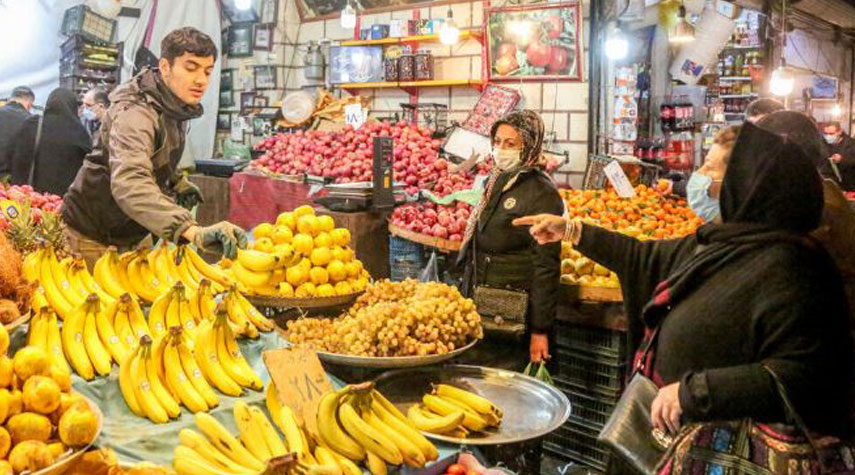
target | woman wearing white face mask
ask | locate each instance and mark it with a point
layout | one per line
(704, 186)
(498, 255)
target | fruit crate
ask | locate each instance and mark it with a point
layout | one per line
(599, 341)
(406, 258)
(590, 372)
(427, 114)
(637, 172)
(81, 20)
(588, 409)
(577, 443)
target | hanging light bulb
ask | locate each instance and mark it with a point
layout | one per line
(836, 110)
(616, 45)
(449, 34)
(348, 16)
(782, 81)
(683, 32)
(243, 4)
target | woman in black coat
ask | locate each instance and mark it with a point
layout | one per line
(63, 144)
(497, 254)
(748, 291)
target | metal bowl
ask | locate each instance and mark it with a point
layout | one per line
(531, 407)
(391, 362)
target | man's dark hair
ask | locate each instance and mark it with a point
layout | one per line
(833, 123)
(796, 127)
(763, 106)
(23, 92)
(101, 97)
(187, 40)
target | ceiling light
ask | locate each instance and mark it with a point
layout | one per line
(348, 16)
(683, 32)
(616, 45)
(782, 81)
(243, 4)
(449, 34)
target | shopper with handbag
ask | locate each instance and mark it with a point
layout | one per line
(744, 322)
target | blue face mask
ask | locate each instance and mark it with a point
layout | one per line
(89, 114)
(697, 191)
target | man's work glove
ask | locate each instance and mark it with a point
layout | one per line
(224, 238)
(187, 195)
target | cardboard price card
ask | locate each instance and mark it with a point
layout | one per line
(616, 176)
(300, 381)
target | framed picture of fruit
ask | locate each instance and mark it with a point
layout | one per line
(535, 42)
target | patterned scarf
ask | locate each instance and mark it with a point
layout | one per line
(531, 129)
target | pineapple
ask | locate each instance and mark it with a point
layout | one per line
(50, 230)
(22, 232)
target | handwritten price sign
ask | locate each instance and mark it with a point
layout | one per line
(300, 381)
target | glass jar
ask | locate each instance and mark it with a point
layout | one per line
(390, 67)
(424, 65)
(406, 67)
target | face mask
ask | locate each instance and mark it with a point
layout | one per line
(830, 138)
(506, 158)
(697, 191)
(89, 115)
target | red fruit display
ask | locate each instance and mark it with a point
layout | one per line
(442, 221)
(39, 202)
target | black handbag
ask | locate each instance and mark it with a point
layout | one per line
(502, 310)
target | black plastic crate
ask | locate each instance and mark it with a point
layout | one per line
(590, 410)
(78, 44)
(579, 443)
(610, 343)
(589, 372)
(81, 20)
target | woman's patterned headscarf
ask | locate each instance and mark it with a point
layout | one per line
(531, 129)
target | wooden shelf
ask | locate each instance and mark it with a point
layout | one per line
(735, 78)
(464, 35)
(738, 96)
(413, 84)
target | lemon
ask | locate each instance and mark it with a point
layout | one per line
(262, 230)
(343, 288)
(360, 284)
(308, 225)
(340, 237)
(326, 223)
(306, 264)
(296, 276)
(282, 235)
(263, 244)
(319, 275)
(353, 269)
(305, 290)
(338, 253)
(304, 210)
(287, 219)
(321, 256)
(286, 289)
(303, 244)
(348, 255)
(325, 290)
(337, 270)
(323, 240)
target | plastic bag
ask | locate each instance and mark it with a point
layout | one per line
(431, 271)
(538, 371)
(236, 151)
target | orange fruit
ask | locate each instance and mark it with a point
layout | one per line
(323, 240)
(305, 290)
(308, 224)
(262, 230)
(296, 276)
(321, 256)
(319, 275)
(340, 237)
(263, 244)
(326, 223)
(353, 269)
(287, 219)
(325, 290)
(304, 210)
(337, 270)
(343, 288)
(303, 243)
(282, 235)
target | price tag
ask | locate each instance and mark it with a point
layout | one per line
(10, 209)
(354, 115)
(300, 381)
(616, 176)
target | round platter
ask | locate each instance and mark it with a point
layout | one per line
(71, 456)
(391, 362)
(531, 407)
(314, 302)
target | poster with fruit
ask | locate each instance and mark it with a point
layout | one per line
(535, 42)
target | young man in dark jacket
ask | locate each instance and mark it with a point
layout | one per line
(130, 185)
(12, 117)
(841, 151)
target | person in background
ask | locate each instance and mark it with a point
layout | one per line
(49, 160)
(716, 332)
(96, 101)
(12, 117)
(759, 108)
(802, 130)
(130, 187)
(708, 176)
(840, 148)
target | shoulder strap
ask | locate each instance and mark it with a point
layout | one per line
(32, 173)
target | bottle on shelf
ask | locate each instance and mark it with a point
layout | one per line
(728, 64)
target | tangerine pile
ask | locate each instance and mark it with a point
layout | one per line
(647, 216)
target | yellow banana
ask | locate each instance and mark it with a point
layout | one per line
(275, 445)
(122, 323)
(126, 383)
(347, 466)
(153, 366)
(443, 407)
(437, 425)
(172, 317)
(106, 275)
(367, 436)
(157, 321)
(226, 442)
(196, 441)
(257, 261)
(185, 315)
(386, 404)
(284, 418)
(142, 285)
(38, 334)
(209, 271)
(205, 352)
(406, 430)
(183, 272)
(331, 432)
(178, 380)
(250, 433)
(48, 283)
(194, 374)
(143, 392)
(103, 322)
(191, 269)
(38, 301)
(477, 403)
(137, 318)
(187, 461)
(72, 342)
(59, 271)
(82, 272)
(157, 260)
(98, 354)
(251, 279)
(121, 267)
(375, 464)
(231, 359)
(412, 455)
(30, 265)
(75, 279)
(54, 341)
(327, 461)
(251, 313)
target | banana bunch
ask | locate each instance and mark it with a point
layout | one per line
(128, 321)
(89, 340)
(64, 284)
(202, 307)
(261, 272)
(141, 277)
(172, 309)
(191, 269)
(455, 412)
(111, 274)
(220, 359)
(44, 333)
(242, 313)
(360, 424)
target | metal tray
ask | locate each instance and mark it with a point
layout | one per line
(313, 302)
(531, 408)
(391, 362)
